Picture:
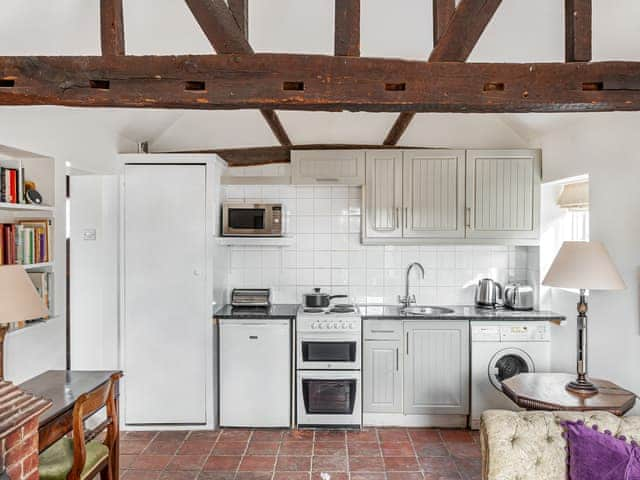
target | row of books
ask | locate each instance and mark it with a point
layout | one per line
(26, 242)
(11, 185)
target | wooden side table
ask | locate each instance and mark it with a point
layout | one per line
(546, 391)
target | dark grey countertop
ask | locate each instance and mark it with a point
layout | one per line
(460, 312)
(275, 312)
(392, 312)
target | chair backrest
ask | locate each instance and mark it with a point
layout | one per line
(86, 405)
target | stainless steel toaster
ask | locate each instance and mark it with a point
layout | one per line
(518, 297)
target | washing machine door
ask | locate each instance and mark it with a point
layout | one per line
(508, 363)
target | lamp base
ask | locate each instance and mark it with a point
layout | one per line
(582, 386)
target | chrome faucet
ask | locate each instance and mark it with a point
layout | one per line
(407, 300)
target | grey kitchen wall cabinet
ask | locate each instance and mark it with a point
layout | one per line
(383, 194)
(382, 376)
(503, 193)
(414, 194)
(411, 196)
(327, 167)
(436, 367)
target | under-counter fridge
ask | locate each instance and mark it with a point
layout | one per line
(255, 373)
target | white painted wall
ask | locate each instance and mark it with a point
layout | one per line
(94, 272)
(604, 146)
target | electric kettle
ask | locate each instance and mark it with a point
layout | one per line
(488, 293)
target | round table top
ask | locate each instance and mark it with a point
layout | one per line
(546, 391)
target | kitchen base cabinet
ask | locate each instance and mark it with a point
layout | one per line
(436, 375)
(382, 379)
(419, 379)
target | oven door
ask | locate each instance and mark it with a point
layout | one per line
(328, 352)
(329, 398)
(247, 220)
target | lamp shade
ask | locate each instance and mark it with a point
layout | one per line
(583, 265)
(19, 299)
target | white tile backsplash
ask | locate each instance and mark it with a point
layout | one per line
(327, 252)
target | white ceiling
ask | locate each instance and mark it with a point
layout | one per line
(521, 31)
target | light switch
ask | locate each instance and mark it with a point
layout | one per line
(89, 234)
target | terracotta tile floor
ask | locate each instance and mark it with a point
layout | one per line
(234, 454)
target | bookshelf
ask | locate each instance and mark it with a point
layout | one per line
(27, 231)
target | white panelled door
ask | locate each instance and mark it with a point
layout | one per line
(165, 301)
(433, 193)
(503, 193)
(383, 192)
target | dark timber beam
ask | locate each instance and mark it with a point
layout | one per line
(240, 11)
(244, 157)
(318, 82)
(442, 12)
(455, 32)
(577, 17)
(347, 28)
(222, 26)
(111, 27)
(219, 25)
(467, 24)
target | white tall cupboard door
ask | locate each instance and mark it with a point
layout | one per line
(503, 193)
(436, 367)
(165, 299)
(327, 167)
(255, 373)
(382, 376)
(433, 191)
(383, 194)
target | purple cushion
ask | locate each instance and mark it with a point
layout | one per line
(593, 454)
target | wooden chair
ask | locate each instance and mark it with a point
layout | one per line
(81, 457)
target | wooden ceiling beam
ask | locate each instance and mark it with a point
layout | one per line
(469, 20)
(226, 28)
(577, 16)
(240, 11)
(112, 27)
(347, 28)
(252, 156)
(219, 25)
(317, 82)
(443, 11)
(455, 32)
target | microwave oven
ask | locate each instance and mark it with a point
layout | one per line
(252, 219)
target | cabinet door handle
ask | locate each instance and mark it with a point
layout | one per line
(406, 217)
(467, 217)
(328, 180)
(382, 331)
(407, 343)
(397, 359)
(398, 225)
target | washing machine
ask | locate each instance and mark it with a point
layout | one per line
(500, 350)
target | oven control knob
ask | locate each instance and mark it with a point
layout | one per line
(350, 325)
(335, 325)
(321, 325)
(314, 325)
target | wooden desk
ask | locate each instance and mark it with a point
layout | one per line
(63, 387)
(546, 391)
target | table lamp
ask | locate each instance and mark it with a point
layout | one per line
(19, 301)
(583, 266)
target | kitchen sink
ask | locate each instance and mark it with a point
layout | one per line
(424, 311)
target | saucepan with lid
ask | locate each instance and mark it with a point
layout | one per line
(318, 299)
